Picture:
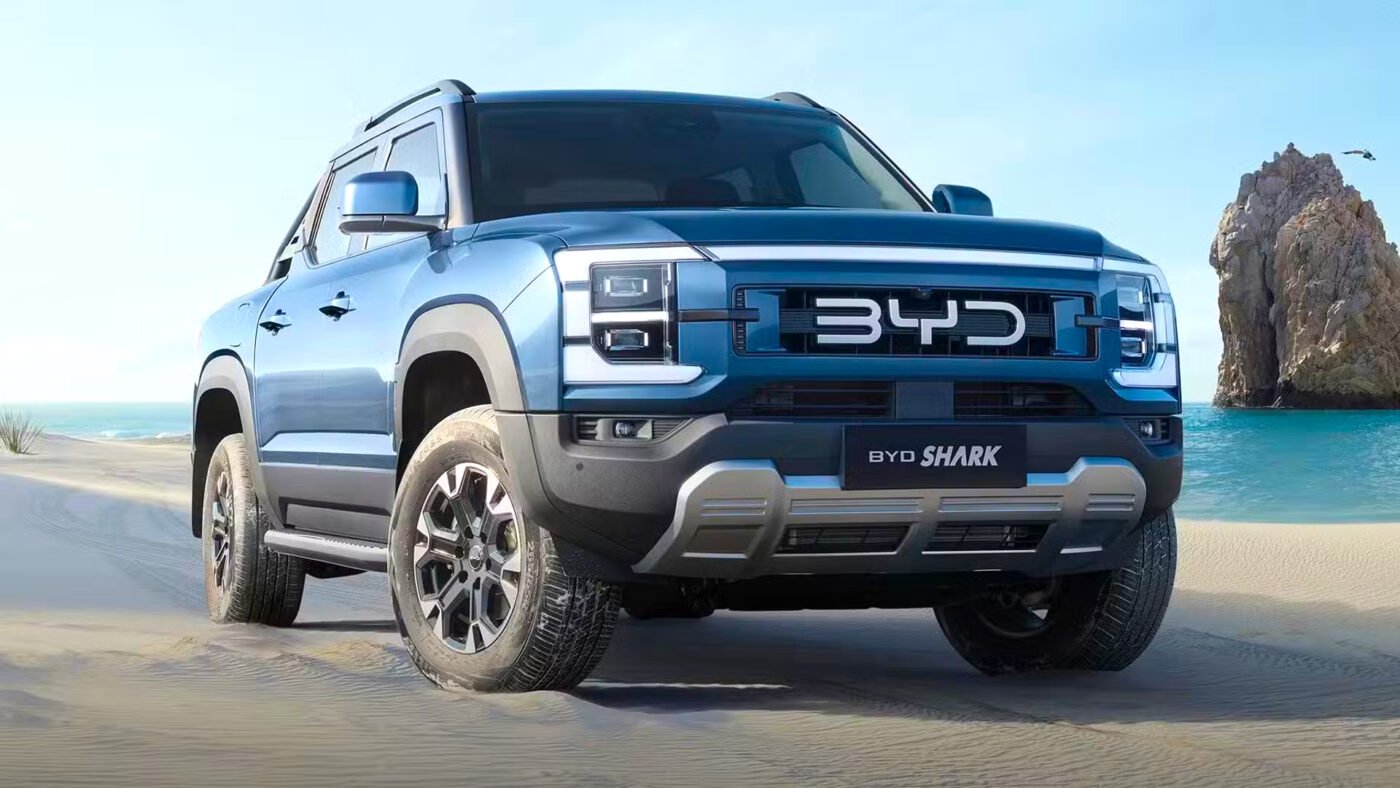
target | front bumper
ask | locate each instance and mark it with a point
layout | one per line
(731, 519)
(663, 508)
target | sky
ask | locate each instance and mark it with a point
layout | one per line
(157, 152)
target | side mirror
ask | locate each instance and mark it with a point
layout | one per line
(963, 200)
(384, 202)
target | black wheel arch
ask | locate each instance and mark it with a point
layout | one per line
(223, 406)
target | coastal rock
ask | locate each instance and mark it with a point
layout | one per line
(1309, 292)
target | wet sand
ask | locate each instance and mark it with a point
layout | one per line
(1279, 664)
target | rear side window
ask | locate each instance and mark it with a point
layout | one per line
(416, 153)
(331, 243)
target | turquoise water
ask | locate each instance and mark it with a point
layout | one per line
(1291, 466)
(1242, 465)
(110, 419)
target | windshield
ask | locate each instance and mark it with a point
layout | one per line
(556, 156)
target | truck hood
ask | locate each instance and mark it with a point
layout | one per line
(809, 226)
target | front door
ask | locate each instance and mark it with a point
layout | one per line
(358, 344)
(294, 434)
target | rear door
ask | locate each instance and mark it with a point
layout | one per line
(288, 373)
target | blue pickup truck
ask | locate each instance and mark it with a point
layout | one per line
(546, 356)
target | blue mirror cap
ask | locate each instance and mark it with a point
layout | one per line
(391, 193)
(964, 200)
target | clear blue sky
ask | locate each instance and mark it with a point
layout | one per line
(155, 153)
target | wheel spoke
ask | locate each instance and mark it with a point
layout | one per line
(447, 604)
(433, 539)
(503, 562)
(464, 522)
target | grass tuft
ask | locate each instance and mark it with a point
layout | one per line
(18, 432)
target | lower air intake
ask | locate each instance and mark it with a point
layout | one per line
(985, 537)
(809, 539)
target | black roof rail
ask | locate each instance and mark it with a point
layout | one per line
(789, 97)
(447, 87)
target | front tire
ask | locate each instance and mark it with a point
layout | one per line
(1099, 621)
(480, 595)
(244, 581)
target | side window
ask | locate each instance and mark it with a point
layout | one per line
(331, 243)
(416, 153)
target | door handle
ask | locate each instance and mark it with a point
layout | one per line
(339, 306)
(276, 321)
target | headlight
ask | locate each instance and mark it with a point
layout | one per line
(1137, 335)
(633, 312)
(1147, 352)
(620, 314)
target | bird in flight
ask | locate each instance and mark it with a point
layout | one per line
(1363, 153)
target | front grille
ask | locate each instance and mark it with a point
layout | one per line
(809, 539)
(788, 322)
(1018, 401)
(985, 537)
(848, 399)
(876, 399)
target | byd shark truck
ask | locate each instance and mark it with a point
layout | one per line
(546, 356)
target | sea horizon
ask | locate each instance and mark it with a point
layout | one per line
(1265, 465)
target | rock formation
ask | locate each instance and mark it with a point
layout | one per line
(1309, 292)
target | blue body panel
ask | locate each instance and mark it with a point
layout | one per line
(814, 226)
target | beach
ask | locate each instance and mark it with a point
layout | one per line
(1278, 663)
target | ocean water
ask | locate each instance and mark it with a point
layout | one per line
(1241, 465)
(1291, 466)
(110, 419)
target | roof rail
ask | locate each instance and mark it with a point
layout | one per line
(789, 97)
(447, 87)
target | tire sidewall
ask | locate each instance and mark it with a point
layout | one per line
(230, 457)
(455, 441)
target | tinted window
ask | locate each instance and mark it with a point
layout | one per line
(331, 243)
(533, 158)
(416, 153)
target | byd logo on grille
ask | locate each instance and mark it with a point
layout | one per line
(871, 321)
(940, 457)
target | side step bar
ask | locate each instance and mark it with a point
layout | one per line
(329, 549)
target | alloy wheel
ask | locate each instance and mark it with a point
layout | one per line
(467, 557)
(221, 543)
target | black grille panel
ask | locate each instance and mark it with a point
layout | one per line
(797, 328)
(875, 399)
(809, 539)
(851, 399)
(1018, 401)
(970, 537)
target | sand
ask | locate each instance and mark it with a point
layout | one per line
(1279, 664)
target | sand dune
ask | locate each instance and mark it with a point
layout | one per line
(1279, 664)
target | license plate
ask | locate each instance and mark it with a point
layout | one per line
(898, 457)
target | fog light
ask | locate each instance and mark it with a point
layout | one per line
(1147, 429)
(632, 429)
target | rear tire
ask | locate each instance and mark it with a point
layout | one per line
(244, 581)
(480, 594)
(1099, 621)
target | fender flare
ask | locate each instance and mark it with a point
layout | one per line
(470, 326)
(225, 371)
